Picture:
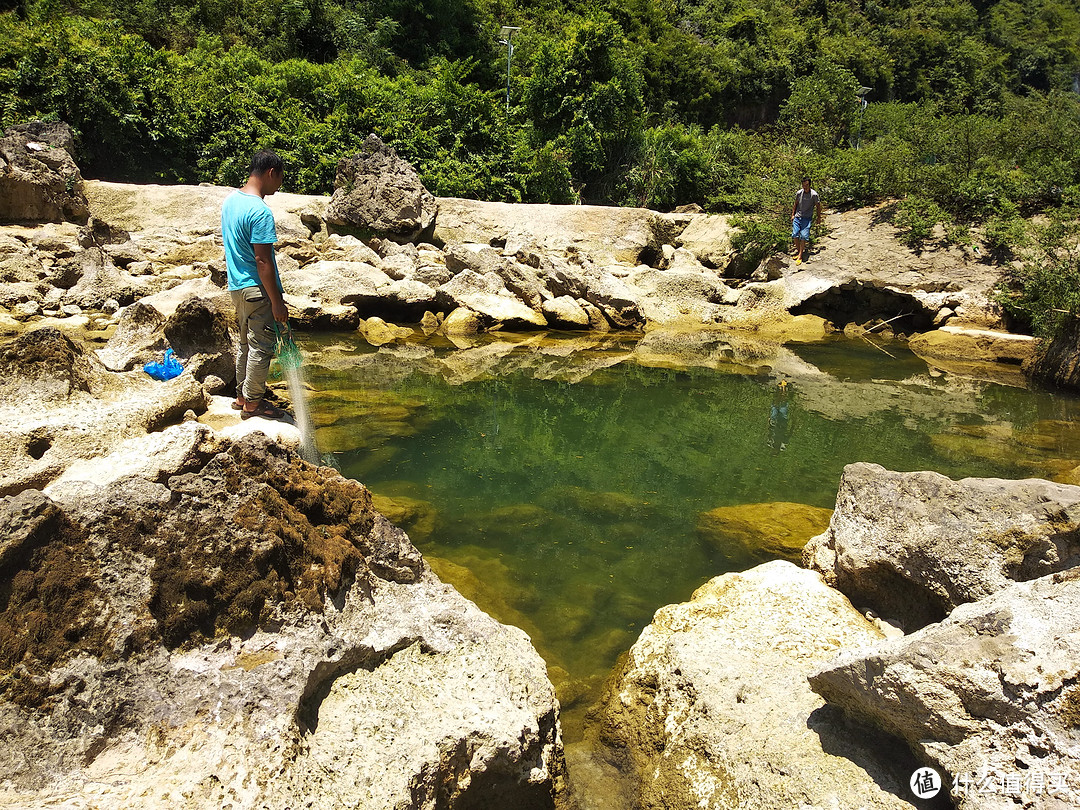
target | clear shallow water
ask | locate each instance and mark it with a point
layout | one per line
(558, 481)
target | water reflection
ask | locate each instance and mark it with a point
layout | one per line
(562, 482)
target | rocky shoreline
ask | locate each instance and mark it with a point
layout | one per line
(197, 617)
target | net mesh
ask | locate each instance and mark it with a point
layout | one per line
(287, 352)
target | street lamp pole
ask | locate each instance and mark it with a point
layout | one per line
(507, 33)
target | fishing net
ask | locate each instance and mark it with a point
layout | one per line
(287, 352)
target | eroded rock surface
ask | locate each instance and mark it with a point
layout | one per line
(381, 194)
(39, 181)
(243, 628)
(906, 544)
(712, 708)
(58, 404)
(988, 696)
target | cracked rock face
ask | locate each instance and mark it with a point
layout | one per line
(39, 181)
(712, 710)
(903, 543)
(990, 693)
(241, 628)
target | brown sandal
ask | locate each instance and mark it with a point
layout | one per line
(264, 409)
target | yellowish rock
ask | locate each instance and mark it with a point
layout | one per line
(973, 345)
(418, 518)
(777, 529)
(378, 332)
(462, 321)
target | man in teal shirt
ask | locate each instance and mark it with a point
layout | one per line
(249, 233)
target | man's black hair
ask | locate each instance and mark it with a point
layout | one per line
(805, 180)
(265, 160)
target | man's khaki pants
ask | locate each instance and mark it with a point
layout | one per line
(257, 341)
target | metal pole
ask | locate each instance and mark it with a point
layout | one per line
(508, 31)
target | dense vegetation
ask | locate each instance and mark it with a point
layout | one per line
(972, 121)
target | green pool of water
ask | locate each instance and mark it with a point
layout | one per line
(559, 481)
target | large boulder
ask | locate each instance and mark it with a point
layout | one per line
(674, 296)
(617, 300)
(39, 181)
(44, 365)
(988, 696)
(379, 194)
(199, 334)
(606, 234)
(709, 237)
(712, 709)
(259, 637)
(325, 293)
(913, 546)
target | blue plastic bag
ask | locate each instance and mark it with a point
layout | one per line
(165, 370)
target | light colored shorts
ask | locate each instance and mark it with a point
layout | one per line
(800, 228)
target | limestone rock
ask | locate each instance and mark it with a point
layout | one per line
(616, 299)
(59, 405)
(378, 332)
(488, 296)
(347, 248)
(257, 629)
(607, 234)
(462, 321)
(1057, 361)
(199, 333)
(380, 194)
(913, 546)
(323, 293)
(138, 339)
(398, 266)
(973, 345)
(44, 365)
(708, 238)
(670, 296)
(39, 181)
(777, 529)
(987, 697)
(712, 708)
(565, 313)
(402, 301)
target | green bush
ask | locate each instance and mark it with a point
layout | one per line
(917, 219)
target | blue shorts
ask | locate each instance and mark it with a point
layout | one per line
(800, 228)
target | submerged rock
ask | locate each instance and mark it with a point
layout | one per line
(257, 629)
(913, 546)
(777, 529)
(988, 696)
(712, 710)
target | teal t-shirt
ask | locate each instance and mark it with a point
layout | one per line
(245, 221)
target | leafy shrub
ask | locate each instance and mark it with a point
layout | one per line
(917, 218)
(1004, 234)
